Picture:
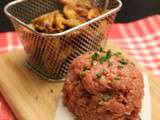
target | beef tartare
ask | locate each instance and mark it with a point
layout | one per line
(104, 85)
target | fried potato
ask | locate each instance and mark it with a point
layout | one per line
(69, 12)
(66, 2)
(44, 23)
(73, 22)
(85, 3)
(93, 13)
(75, 12)
(82, 3)
(59, 19)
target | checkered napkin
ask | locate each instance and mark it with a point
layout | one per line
(140, 39)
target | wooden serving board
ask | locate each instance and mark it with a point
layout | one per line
(33, 98)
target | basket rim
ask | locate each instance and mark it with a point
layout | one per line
(115, 10)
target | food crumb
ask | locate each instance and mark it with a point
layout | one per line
(51, 91)
(36, 97)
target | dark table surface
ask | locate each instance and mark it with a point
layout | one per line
(132, 10)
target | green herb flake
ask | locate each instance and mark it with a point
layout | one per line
(86, 68)
(81, 74)
(120, 66)
(104, 70)
(101, 49)
(123, 61)
(98, 75)
(95, 56)
(117, 78)
(118, 54)
(103, 59)
(106, 96)
(106, 57)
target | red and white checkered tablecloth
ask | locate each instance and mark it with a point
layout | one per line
(140, 39)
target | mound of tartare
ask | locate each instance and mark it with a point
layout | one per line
(104, 85)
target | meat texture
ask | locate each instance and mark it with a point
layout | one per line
(104, 85)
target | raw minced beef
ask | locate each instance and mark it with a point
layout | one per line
(103, 85)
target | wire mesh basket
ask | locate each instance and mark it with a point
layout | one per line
(50, 54)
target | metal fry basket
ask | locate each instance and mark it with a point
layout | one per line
(50, 54)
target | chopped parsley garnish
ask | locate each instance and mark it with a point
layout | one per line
(86, 68)
(123, 61)
(81, 74)
(106, 96)
(120, 66)
(104, 70)
(105, 57)
(95, 56)
(117, 78)
(101, 49)
(98, 75)
(117, 54)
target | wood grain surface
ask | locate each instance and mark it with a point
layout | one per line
(33, 98)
